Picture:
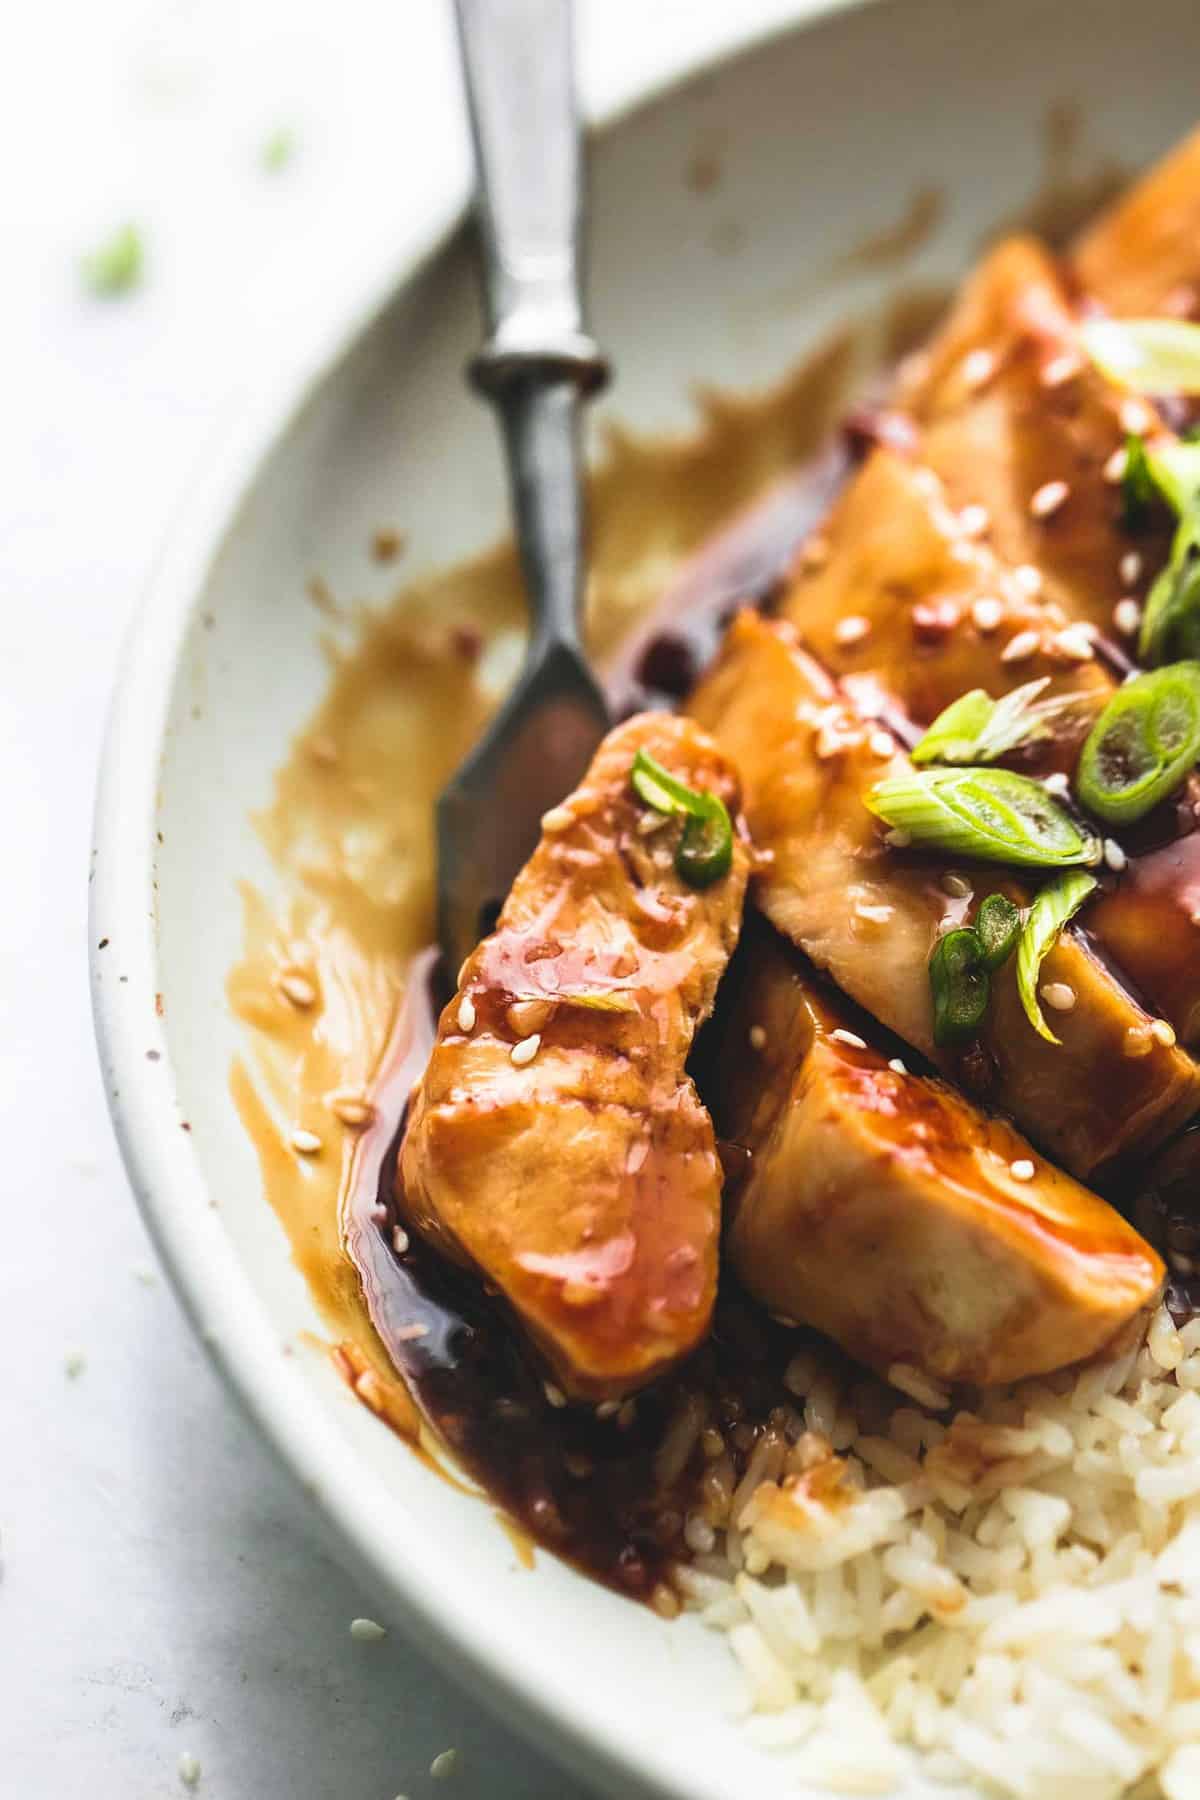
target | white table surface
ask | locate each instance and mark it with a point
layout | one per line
(164, 1587)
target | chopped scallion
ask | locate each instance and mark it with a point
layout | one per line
(705, 850)
(1053, 908)
(1142, 745)
(992, 815)
(1152, 356)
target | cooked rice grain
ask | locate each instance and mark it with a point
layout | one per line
(1015, 1593)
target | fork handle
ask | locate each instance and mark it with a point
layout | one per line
(537, 360)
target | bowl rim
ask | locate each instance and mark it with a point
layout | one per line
(160, 1159)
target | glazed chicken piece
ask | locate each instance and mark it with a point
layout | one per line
(555, 1144)
(881, 1206)
(1142, 255)
(870, 915)
(1016, 418)
(904, 604)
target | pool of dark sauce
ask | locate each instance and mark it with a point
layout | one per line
(607, 1489)
(611, 1491)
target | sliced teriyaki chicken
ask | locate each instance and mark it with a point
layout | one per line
(1015, 418)
(870, 915)
(881, 1206)
(903, 602)
(1142, 255)
(555, 1143)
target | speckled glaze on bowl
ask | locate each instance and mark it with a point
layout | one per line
(824, 135)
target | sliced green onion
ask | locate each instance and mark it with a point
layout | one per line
(959, 982)
(1171, 620)
(978, 729)
(1174, 468)
(1057, 903)
(997, 926)
(116, 266)
(1138, 486)
(705, 850)
(955, 732)
(1142, 745)
(989, 814)
(610, 1000)
(1153, 356)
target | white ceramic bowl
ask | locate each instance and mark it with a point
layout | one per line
(825, 134)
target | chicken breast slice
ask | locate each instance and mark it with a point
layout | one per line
(556, 1144)
(1142, 255)
(1015, 418)
(907, 604)
(869, 915)
(882, 1207)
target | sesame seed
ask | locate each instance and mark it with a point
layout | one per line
(1130, 567)
(1048, 498)
(366, 1631)
(1059, 995)
(1136, 417)
(876, 915)
(1136, 1042)
(1114, 856)
(978, 367)
(758, 1037)
(1022, 1169)
(1114, 469)
(352, 1109)
(443, 1764)
(651, 822)
(665, 1601)
(189, 1769)
(851, 630)
(1021, 647)
(1182, 1265)
(974, 520)
(987, 614)
(306, 1142)
(1074, 642)
(1163, 1032)
(379, 1213)
(897, 1066)
(1057, 783)
(899, 840)
(851, 1038)
(526, 1050)
(1028, 579)
(296, 987)
(559, 818)
(408, 1334)
(1127, 617)
(553, 1394)
(1059, 369)
(608, 1409)
(957, 886)
(399, 1240)
(881, 743)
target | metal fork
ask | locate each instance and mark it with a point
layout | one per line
(536, 366)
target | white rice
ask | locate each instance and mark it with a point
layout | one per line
(1014, 1591)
